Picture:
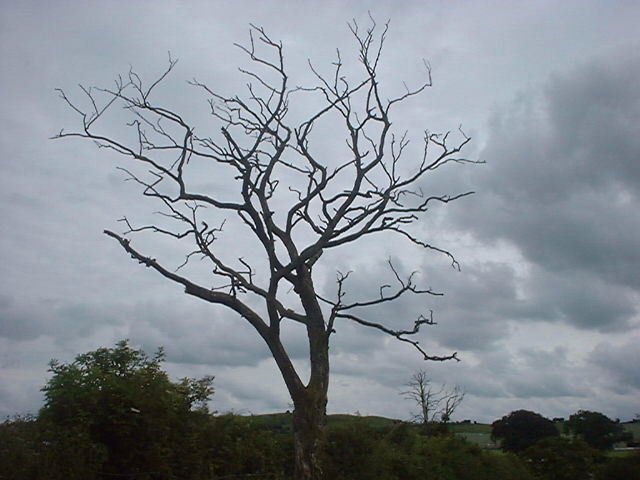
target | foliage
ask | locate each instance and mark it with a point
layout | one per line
(228, 446)
(358, 448)
(360, 452)
(617, 468)
(596, 429)
(240, 446)
(18, 447)
(120, 405)
(521, 429)
(115, 413)
(560, 458)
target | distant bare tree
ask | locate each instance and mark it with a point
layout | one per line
(434, 403)
(451, 400)
(295, 204)
(426, 398)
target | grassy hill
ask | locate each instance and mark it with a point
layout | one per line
(283, 422)
(477, 433)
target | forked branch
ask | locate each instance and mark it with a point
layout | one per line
(290, 196)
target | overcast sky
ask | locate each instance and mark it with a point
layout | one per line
(545, 310)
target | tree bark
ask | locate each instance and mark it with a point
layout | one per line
(309, 420)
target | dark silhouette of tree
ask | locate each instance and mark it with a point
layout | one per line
(596, 429)
(295, 202)
(521, 429)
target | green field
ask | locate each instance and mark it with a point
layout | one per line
(283, 422)
(477, 433)
(474, 428)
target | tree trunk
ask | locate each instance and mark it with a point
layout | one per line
(309, 419)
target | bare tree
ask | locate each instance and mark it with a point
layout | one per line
(425, 396)
(451, 400)
(434, 403)
(293, 202)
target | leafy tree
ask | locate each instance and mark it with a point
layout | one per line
(621, 468)
(559, 458)
(293, 201)
(521, 429)
(119, 402)
(19, 447)
(595, 428)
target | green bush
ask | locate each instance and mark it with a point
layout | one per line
(621, 468)
(358, 452)
(562, 459)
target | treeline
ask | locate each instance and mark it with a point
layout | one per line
(577, 450)
(114, 413)
(229, 446)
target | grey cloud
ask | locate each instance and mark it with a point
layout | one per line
(5, 301)
(209, 335)
(619, 362)
(527, 375)
(16, 325)
(471, 314)
(562, 186)
(583, 300)
(545, 373)
(72, 320)
(599, 137)
(478, 301)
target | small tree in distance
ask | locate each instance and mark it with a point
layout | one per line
(596, 429)
(294, 203)
(434, 404)
(521, 429)
(450, 402)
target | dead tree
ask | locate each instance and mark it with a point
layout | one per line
(450, 402)
(434, 403)
(294, 202)
(421, 391)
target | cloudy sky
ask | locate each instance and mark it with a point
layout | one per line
(545, 310)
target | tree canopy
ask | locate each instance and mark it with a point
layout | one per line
(596, 429)
(122, 404)
(559, 458)
(521, 429)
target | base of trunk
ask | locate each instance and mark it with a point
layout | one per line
(309, 432)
